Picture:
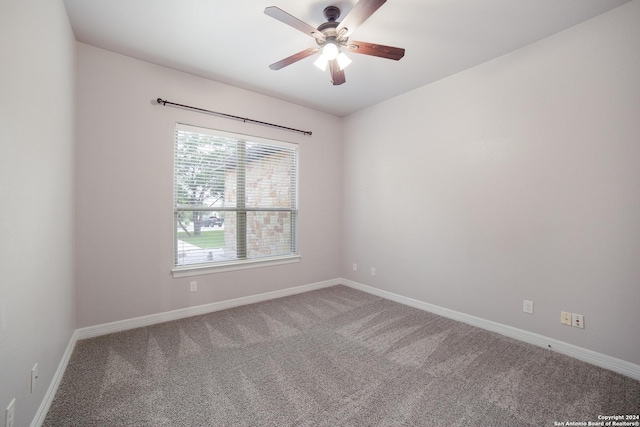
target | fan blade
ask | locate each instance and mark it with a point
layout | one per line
(360, 13)
(382, 51)
(292, 21)
(337, 75)
(293, 58)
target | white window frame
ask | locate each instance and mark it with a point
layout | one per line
(236, 264)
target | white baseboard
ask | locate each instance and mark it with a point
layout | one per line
(617, 365)
(152, 319)
(55, 382)
(598, 359)
(123, 325)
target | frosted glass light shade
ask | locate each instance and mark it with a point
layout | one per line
(321, 62)
(343, 60)
(330, 51)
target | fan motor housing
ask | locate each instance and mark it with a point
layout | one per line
(328, 28)
(331, 13)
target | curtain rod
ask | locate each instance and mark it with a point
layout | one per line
(229, 116)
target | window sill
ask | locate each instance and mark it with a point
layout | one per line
(199, 270)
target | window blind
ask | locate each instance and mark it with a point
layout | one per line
(235, 197)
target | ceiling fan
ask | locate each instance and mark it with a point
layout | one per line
(332, 38)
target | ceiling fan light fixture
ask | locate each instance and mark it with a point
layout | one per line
(321, 62)
(332, 36)
(330, 51)
(343, 60)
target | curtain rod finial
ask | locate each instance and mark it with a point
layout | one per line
(161, 101)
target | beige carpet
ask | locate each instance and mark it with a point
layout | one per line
(333, 357)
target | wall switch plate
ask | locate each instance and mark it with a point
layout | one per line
(34, 375)
(527, 306)
(10, 414)
(577, 320)
(355, 267)
(565, 318)
(193, 286)
(373, 271)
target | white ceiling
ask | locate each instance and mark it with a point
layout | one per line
(233, 41)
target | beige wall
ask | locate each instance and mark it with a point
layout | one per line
(517, 179)
(37, 295)
(124, 187)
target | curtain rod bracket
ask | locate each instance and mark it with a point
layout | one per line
(164, 102)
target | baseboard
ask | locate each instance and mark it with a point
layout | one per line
(598, 359)
(152, 319)
(123, 325)
(55, 383)
(617, 365)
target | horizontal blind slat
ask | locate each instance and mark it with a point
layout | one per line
(207, 170)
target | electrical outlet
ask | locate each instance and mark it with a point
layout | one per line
(577, 320)
(527, 306)
(10, 414)
(565, 318)
(373, 271)
(355, 267)
(193, 286)
(34, 375)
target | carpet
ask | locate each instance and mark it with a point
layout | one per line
(331, 357)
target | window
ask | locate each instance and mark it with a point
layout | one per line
(235, 200)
